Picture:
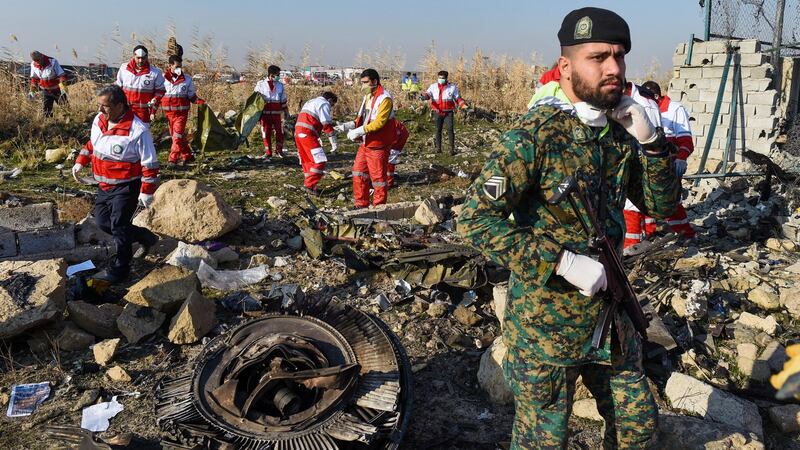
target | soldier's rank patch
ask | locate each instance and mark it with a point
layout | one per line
(583, 28)
(495, 187)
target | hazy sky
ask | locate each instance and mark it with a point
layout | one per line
(336, 30)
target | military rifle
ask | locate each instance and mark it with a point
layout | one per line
(619, 291)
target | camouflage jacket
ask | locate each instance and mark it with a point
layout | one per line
(546, 317)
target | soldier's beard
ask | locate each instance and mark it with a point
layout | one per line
(595, 95)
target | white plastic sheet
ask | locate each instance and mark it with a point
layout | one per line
(96, 417)
(230, 280)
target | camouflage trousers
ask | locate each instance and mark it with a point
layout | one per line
(543, 398)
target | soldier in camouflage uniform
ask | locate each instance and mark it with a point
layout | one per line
(587, 129)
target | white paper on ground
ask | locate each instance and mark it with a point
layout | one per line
(80, 267)
(26, 397)
(96, 417)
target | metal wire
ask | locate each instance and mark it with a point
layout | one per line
(756, 19)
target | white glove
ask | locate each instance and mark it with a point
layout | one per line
(31, 95)
(145, 199)
(586, 274)
(151, 104)
(680, 167)
(75, 170)
(343, 127)
(394, 156)
(355, 133)
(633, 118)
(334, 143)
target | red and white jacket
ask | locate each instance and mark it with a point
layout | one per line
(649, 104)
(121, 154)
(140, 85)
(384, 137)
(274, 96)
(179, 92)
(675, 120)
(315, 116)
(444, 97)
(48, 75)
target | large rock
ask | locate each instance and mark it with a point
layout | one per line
(136, 322)
(694, 396)
(105, 351)
(764, 298)
(428, 213)
(786, 417)
(100, 320)
(189, 211)
(749, 363)
(32, 293)
(87, 232)
(73, 339)
(766, 324)
(691, 433)
(790, 300)
(587, 409)
(56, 155)
(490, 373)
(193, 321)
(499, 297)
(164, 288)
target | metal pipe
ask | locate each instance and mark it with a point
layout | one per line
(698, 176)
(715, 117)
(707, 33)
(730, 148)
(689, 51)
(777, 41)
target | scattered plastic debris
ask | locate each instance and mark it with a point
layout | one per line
(96, 417)
(26, 397)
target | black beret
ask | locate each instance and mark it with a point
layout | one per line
(594, 25)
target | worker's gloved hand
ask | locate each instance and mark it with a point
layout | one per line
(633, 118)
(343, 127)
(76, 169)
(31, 95)
(145, 199)
(334, 143)
(680, 167)
(394, 156)
(586, 274)
(152, 104)
(63, 88)
(355, 133)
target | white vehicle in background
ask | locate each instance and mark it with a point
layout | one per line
(287, 77)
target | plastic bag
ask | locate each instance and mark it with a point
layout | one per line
(251, 113)
(230, 280)
(210, 134)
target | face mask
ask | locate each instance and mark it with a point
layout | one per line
(177, 71)
(590, 115)
(366, 88)
(442, 81)
(276, 78)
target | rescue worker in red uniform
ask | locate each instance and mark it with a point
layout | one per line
(394, 153)
(444, 98)
(49, 78)
(313, 121)
(374, 127)
(142, 83)
(275, 104)
(180, 94)
(124, 161)
(675, 122)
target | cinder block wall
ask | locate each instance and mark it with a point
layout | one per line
(696, 86)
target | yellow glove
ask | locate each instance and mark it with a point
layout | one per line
(787, 381)
(63, 87)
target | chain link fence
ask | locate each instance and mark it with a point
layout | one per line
(756, 19)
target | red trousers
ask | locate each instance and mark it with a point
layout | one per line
(179, 151)
(638, 225)
(270, 123)
(370, 166)
(308, 144)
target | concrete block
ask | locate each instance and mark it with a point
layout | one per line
(701, 59)
(678, 60)
(760, 145)
(762, 71)
(8, 244)
(762, 123)
(711, 72)
(716, 47)
(689, 96)
(753, 59)
(756, 84)
(691, 72)
(41, 241)
(749, 46)
(766, 98)
(707, 96)
(680, 49)
(696, 108)
(29, 217)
